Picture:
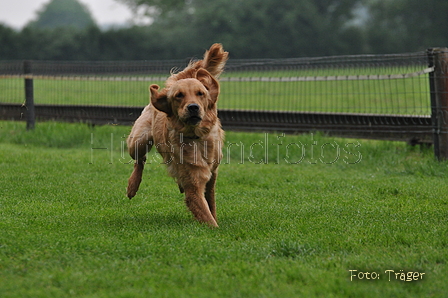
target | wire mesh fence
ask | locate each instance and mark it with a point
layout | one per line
(397, 97)
(372, 84)
(84, 83)
(385, 84)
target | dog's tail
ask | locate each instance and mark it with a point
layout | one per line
(214, 60)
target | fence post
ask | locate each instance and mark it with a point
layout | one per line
(29, 95)
(438, 81)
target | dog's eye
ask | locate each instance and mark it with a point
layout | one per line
(199, 93)
(179, 95)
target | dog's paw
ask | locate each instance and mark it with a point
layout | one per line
(212, 224)
(131, 194)
(132, 188)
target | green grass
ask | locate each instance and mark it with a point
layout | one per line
(291, 225)
(398, 96)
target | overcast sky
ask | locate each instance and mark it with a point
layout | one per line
(17, 13)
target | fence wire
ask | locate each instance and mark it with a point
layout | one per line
(366, 84)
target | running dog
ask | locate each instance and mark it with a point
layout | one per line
(182, 123)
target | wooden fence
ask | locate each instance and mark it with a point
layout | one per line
(415, 129)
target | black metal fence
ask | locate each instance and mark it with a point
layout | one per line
(394, 97)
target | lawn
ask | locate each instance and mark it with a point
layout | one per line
(295, 217)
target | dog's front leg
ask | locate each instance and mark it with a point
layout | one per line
(196, 202)
(136, 177)
(137, 150)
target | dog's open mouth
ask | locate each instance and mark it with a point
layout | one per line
(193, 120)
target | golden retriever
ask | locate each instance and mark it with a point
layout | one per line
(181, 122)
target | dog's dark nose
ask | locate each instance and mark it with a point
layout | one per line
(193, 108)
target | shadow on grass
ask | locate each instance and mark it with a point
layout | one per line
(289, 249)
(150, 221)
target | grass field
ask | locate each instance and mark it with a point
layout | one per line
(295, 217)
(397, 96)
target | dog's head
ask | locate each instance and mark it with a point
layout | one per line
(187, 100)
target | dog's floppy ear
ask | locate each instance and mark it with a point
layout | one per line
(160, 100)
(209, 82)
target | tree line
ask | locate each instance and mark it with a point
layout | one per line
(247, 29)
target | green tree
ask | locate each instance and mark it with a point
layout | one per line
(9, 41)
(255, 28)
(156, 8)
(63, 13)
(406, 25)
